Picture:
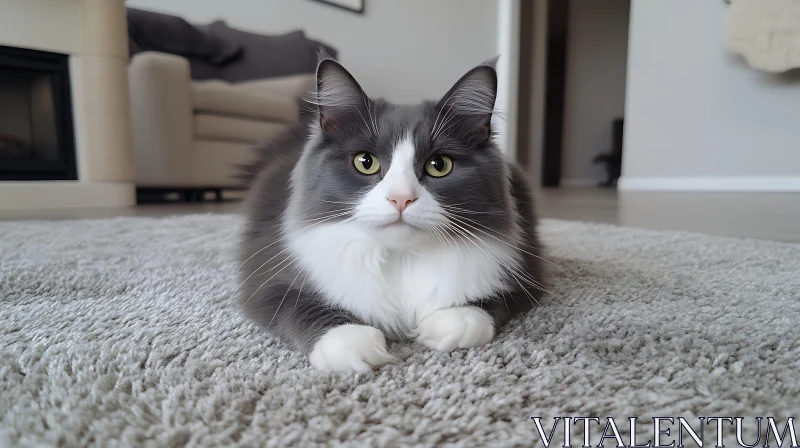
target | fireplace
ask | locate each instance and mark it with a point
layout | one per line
(36, 131)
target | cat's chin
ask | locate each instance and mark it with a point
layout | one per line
(401, 235)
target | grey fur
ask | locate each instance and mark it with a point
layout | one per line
(309, 174)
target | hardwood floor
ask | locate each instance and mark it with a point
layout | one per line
(774, 216)
(753, 215)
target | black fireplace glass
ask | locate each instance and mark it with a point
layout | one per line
(36, 131)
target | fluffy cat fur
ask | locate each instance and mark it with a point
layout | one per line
(332, 262)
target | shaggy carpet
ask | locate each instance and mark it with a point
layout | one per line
(122, 332)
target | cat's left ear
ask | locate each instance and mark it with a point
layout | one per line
(471, 100)
(340, 100)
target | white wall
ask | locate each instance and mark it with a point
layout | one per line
(696, 116)
(402, 50)
(597, 49)
(508, 44)
(50, 26)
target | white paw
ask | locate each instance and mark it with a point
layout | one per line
(350, 348)
(451, 328)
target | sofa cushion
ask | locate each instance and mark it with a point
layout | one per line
(295, 86)
(231, 129)
(152, 31)
(222, 98)
(265, 56)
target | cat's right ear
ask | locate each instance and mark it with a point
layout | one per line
(471, 101)
(340, 100)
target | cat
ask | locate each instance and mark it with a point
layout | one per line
(376, 221)
(613, 159)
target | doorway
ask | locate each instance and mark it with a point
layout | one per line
(573, 63)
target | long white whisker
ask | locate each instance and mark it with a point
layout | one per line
(329, 211)
(335, 202)
(364, 120)
(300, 291)
(505, 242)
(433, 128)
(512, 267)
(456, 216)
(263, 264)
(286, 249)
(254, 273)
(267, 281)
(496, 256)
(284, 298)
(460, 235)
(334, 215)
(276, 255)
(369, 113)
(455, 243)
(442, 235)
(279, 240)
(439, 238)
(326, 214)
(450, 116)
(283, 260)
(447, 117)
(530, 296)
(505, 301)
(452, 125)
(462, 210)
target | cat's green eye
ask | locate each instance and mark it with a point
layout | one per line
(366, 163)
(439, 166)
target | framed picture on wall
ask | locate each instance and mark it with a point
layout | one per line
(356, 6)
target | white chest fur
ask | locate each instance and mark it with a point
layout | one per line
(393, 289)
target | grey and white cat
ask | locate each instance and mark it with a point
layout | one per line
(379, 220)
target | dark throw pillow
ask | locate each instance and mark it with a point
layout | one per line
(152, 31)
(265, 56)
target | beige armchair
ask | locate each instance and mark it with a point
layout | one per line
(190, 135)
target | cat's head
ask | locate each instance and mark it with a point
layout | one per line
(404, 173)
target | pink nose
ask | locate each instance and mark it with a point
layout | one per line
(401, 202)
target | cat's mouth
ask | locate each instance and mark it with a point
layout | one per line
(400, 223)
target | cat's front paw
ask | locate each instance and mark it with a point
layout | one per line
(459, 327)
(350, 348)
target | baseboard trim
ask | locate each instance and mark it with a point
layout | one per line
(578, 182)
(44, 195)
(721, 184)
